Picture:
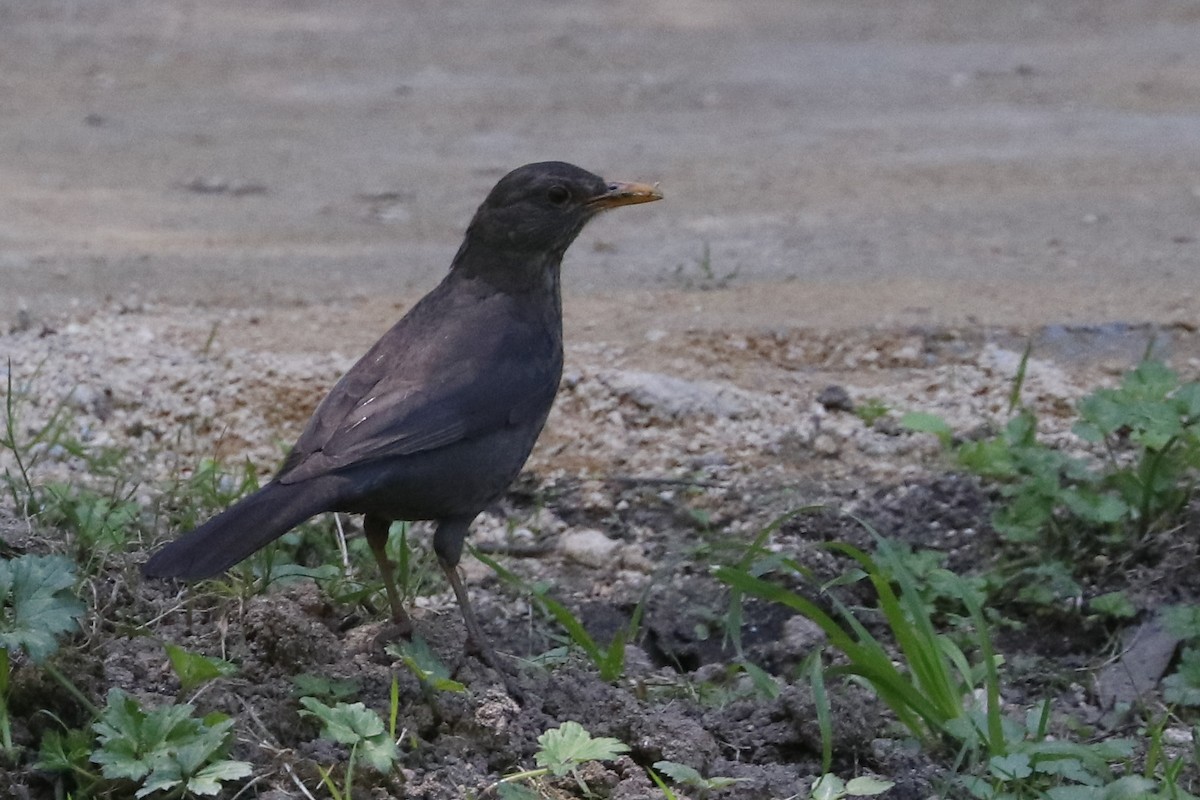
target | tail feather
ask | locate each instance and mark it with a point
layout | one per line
(238, 531)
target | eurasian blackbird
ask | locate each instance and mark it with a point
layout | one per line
(439, 416)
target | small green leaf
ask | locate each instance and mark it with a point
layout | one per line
(1072, 793)
(425, 665)
(357, 726)
(568, 745)
(1182, 620)
(208, 780)
(1011, 767)
(1183, 686)
(828, 787)
(921, 422)
(680, 773)
(344, 723)
(36, 604)
(1070, 768)
(1116, 605)
(322, 687)
(1094, 507)
(866, 786)
(194, 669)
(1130, 787)
(166, 775)
(64, 751)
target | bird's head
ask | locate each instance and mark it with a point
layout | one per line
(534, 213)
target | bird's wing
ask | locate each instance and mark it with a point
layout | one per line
(469, 371)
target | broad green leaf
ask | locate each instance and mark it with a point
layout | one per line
(1130, 787)
(208, 780)
(1113, 604)
(680, 773)
(357, 726)
(63, 751)
(515, 791)
(1075, 793)
(866, 786)
(828, 787)
(345, 723)
(379, 751)
(1183, 686)
(36, 604)
(1095, 507)
(165, 776)
(1182, 620)
(163, 748)
(1010, 767)
(569, 745)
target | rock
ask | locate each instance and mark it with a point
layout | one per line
(826, 446)
(668, 397)
(712, 458)
(835, 398)
(633, 557)
(800, 636)
(589, 547)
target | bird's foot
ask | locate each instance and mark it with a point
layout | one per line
(483, 652)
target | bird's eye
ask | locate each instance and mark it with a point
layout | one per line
(558, 195)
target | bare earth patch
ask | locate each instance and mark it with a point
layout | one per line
(664, 449)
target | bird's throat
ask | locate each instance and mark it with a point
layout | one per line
(511, 273)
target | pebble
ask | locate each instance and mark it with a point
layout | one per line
(835, 398)
(589, 547)
(826, 446)
(800, 636)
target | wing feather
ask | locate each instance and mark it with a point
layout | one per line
(432, 380)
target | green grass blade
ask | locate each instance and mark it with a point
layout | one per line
(816, 677)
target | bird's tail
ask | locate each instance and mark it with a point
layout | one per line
(235, 533)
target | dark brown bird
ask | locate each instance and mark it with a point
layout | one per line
(439, 416)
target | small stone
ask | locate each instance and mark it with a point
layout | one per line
(825, 445)
(589, 547)
(888, 426)
(800, 636)
(638, 663)
(908, 355)
(835, 398)
(713, 458)
(633, 557)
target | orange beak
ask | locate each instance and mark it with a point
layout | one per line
(625, 194)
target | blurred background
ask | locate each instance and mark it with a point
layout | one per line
(837, 162)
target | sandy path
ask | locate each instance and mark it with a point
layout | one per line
(885, 162)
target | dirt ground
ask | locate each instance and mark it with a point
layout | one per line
(643, 479)
(208, 210)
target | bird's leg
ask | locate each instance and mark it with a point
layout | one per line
(476, 642)
(448, 544)
(376, 530)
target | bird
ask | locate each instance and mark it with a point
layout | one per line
(436, 420)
